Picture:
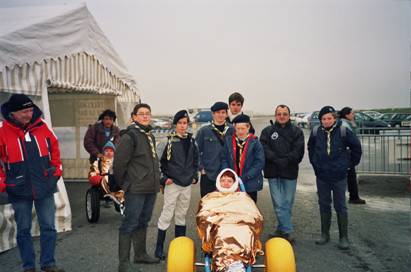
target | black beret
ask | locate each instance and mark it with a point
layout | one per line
(19, 102)
(179, 115)
(325, 110)
(219, 106)
(242, 118)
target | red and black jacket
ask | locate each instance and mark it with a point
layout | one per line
(29, 157)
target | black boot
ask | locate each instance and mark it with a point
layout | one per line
(140, 249)
(325, 229)
(159, 252)
(124, 246)
(343, 229)
(180, 231)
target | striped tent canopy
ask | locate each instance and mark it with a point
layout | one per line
(61, 49)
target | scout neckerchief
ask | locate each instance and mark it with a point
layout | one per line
(243, 147)
(328, 131)
(220, 135)
(170, 141)
(150, 136)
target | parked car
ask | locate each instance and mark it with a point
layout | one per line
(161, 123)
(406, 122)
(204, 116)
(397, 118)
(373, 114)
(366, 124)
(296, 116)
(313, 120)
(302, 120)
(386, 117)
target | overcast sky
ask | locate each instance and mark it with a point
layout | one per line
(306, 54)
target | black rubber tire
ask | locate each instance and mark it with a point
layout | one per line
(93, 204)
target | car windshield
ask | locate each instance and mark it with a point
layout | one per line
(362, 116)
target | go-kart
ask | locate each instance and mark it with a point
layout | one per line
(279, 256)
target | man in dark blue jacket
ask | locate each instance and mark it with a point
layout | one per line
(328, 147)
(283, 145)
(210, 141)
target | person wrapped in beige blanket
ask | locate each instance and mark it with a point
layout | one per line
(101, 174)
(229, 225)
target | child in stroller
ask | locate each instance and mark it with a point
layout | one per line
(101, 177)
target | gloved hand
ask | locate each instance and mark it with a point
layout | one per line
(58, 173)
(2, 183)
(95, 180)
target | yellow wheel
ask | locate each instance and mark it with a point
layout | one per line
(181, 255)
(279, 256)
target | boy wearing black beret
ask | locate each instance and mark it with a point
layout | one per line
(332, 150)
(210, 140)
(179, 168)
(245, 155)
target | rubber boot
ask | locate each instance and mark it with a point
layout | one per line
(159, 252)
(140, 250)
(343, 229)
(124, 246)
(325, 229)
(180, 231)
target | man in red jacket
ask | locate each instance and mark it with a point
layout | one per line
(29, 170)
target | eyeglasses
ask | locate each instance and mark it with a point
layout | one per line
(143, 114)
(282, 114)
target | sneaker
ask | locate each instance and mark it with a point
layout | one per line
(357, 201)
(52, 269)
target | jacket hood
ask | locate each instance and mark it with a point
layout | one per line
(235, 185)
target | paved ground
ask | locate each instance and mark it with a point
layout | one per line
(379, 231)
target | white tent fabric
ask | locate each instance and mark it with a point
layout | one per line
(63, 31)
(60, 47)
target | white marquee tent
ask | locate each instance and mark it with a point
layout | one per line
(61, 48)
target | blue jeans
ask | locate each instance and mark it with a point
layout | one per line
(138, 211)
(45, 210)
(338, 188)
(282, 194)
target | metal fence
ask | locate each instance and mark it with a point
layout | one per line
(385, 151)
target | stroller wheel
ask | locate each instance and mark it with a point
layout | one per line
(93, 204)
